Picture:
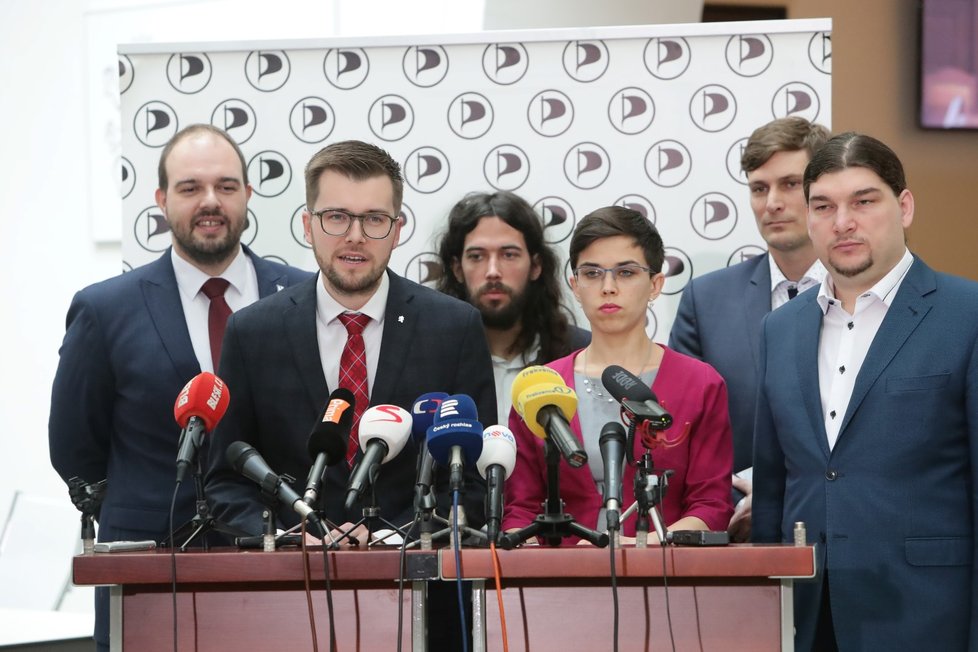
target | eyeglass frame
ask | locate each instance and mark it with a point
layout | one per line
(353, 216)
(612, 270)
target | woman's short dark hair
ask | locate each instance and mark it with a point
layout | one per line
(610, 221)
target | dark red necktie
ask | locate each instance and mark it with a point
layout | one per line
(353, 375)
(217, 315)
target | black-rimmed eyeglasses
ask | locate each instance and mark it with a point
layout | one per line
(336, 221)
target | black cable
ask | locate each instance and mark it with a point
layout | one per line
(665, 586)
(614, 589)
(329, 593)
(173, 565)
(401, 572)
(458, 571)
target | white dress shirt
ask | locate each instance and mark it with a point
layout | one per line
(331, 333)
(242, 291)
(504, 372)
(780, 282)
(845, 339)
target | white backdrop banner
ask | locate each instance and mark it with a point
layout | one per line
(652, 117)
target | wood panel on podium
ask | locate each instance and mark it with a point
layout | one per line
(248, 600)
(730, 598)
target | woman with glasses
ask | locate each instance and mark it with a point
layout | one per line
(616, 256)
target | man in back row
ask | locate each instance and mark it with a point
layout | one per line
(719, 317)
(494, 256)
(132, 342)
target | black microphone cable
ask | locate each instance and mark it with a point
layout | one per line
(173, 565)
(665, 589)
(458, 570)
(614, 590)
(329, 588)
(401, 572)
(306, 579)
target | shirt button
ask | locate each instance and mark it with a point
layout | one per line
(831, 475)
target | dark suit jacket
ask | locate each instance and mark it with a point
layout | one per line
(125, 357)
(719, 322)
(272, 366)
(893, 504)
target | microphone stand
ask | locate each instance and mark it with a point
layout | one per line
(203, 521)
(554, 524)
(87, 498)
(371, 516)
(650, 488)
(424, 504)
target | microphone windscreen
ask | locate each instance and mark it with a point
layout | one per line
(206, 397)
(388, 423)
(423, 413)
(624, 385)
(456, 424)
(330, 432)
(498, 447)
(537, 388)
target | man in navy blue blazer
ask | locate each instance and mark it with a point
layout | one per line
(720, 313)
(867, 421)
(133, 341)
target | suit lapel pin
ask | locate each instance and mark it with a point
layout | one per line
(400, 319)
(279, 288)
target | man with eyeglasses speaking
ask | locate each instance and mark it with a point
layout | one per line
(357, 325)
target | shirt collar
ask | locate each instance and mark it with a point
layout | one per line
(815, 274)
(884, 290)
(190, 278)
(518, 361)
(329, 308)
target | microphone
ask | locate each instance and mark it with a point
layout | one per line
(635, 397)
(546, 404)
(423, 416)
(455, 438)
(199, 406)
(327, 441)
(612, 443)
(496, 465)
(384, 430)
(244, 459)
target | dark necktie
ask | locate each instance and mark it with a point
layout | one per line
(217, 315)
(353, 375)
(792, 292)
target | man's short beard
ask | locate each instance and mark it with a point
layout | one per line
(503, 317)
(210, 252)
(347, 287)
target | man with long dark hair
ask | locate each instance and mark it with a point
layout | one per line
(495, 258)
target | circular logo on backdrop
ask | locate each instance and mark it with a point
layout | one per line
(585, 61)
(470, 115)
(668, 163)
(125, 73)
(251, 229)
(425, 65)
(505, 63)
(712, 108)
(666, 58)
(312, 119)
(550, 113)
(506, 167)
(820, 52)
(235, 117)
(151, 229)
(586, 165)
(128, 177)
(713, 216)
(734, 155)
(155, 123)
(557, 216)
(267, 70)
(188, 72)
(297, 229)
(270, 173)
(651, 323)
(425, 268)
(795, 98)
(745, 253)
(631, 110)
(391, 117)
(749, 55)
(426, 169)
(639, 204)
(678, 270)
(408, 224)
(346, 68)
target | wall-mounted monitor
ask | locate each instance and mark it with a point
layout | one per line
(949, 64)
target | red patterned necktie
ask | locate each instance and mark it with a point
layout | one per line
(217, 315)
(353, 375)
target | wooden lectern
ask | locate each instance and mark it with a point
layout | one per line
(726, 598)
